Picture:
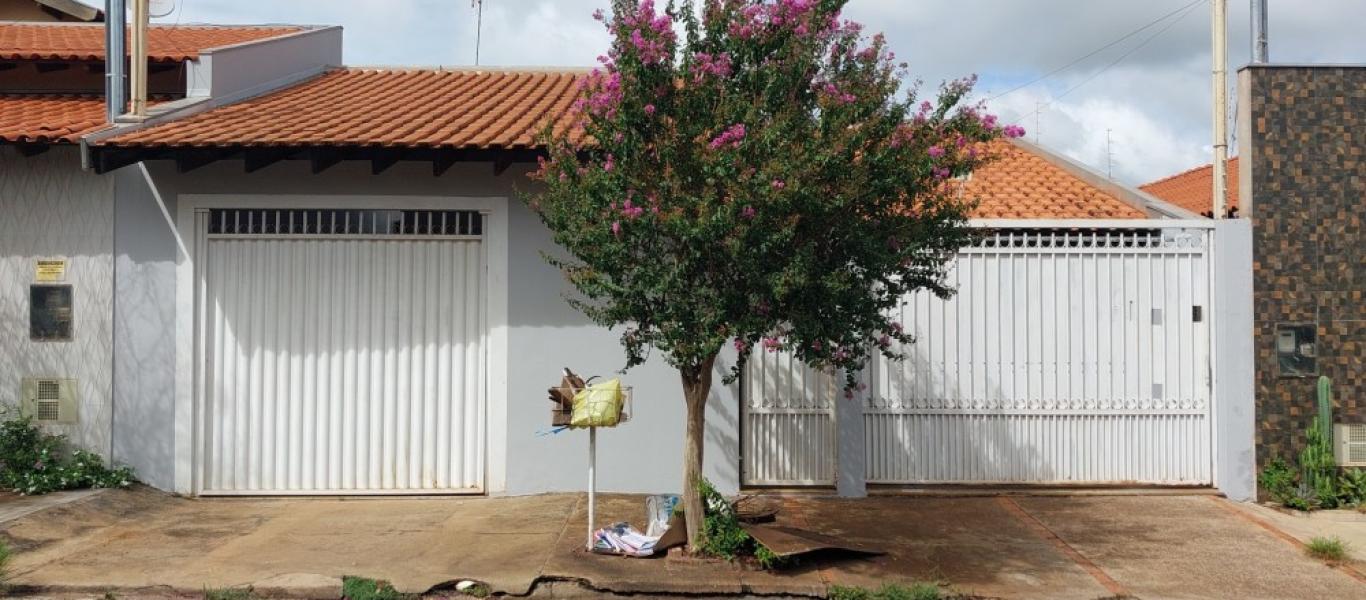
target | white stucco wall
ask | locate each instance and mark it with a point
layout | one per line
(49, 208)
(545, 334)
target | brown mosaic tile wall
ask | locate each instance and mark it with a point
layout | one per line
(1308, 153)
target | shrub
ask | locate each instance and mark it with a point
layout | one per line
(1352, 487)
(722, 536)
(33, 462)
(1326, 549)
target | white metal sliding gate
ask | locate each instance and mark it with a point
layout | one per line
(1067, 356)
(788, 431)
(341, 351)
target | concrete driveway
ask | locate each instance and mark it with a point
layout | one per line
(1149, 546)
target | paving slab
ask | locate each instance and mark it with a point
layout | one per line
(1348, 525)
(1187, 547)
(182, 544)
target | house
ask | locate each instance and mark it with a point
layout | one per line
(333, 287)
(1193, 189)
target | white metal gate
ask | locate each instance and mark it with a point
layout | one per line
(341, 352)
(788, 433)
(1066, 356)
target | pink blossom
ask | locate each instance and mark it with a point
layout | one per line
(732, 136)
(941, 172)
(936, 151)
(741, 345)
(778, 184)
(609, 164)
(772, 344)
(896, 326)
(616, 228)
(598, 15)
(885, 341)
(631, 211)
(1014, 131)
(649, 109)
(748, 212)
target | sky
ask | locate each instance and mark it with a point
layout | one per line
(1138, 110)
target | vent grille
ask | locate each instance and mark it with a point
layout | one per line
(341, 222)
(49, 389)
(47, 410)
(1090, 238)
(49, 400)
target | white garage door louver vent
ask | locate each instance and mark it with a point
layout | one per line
(339, 222)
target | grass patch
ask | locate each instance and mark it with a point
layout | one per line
(241, 593)
(1326, 549)
(477, 590)
(890, 591)
(5, 556)
(362, 588)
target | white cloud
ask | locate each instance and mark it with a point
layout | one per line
(1156, 101)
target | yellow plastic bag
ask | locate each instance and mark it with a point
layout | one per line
(598, 405)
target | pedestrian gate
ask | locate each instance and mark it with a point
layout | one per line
(1066, 356)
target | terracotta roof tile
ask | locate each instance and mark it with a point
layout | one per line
(428, 108)
(71, 41)
(49, 118)
(465, 109)
(1193, 190)
(1020, 184)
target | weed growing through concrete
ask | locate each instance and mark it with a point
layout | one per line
(362, 588)
(890, 591)
(4, 562)
(1326, 549)
(241, 593)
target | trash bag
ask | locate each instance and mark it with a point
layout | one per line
(598, 405)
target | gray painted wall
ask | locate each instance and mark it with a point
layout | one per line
(49, 208)
(1235, 464)
(545, 335)
(144, 331)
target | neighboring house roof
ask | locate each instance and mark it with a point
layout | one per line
(1193, 190)
(382, 108)
(1022, 183)
(49, 118)
(166, 44)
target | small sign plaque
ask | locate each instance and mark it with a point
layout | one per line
(51, 270)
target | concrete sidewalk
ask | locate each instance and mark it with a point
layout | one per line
(144, 542)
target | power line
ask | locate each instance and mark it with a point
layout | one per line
(1188, 9)
(1097, 50)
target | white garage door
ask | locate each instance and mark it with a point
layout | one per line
(342, 352)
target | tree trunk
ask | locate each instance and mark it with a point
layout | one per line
(696, 388)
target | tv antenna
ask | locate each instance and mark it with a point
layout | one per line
(478, 6)
(1109, 155)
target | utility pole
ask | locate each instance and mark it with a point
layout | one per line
(139, 61)
(1220, 51)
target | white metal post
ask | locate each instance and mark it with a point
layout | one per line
(592, 480)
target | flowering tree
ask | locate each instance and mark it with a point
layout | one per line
(761, 181)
